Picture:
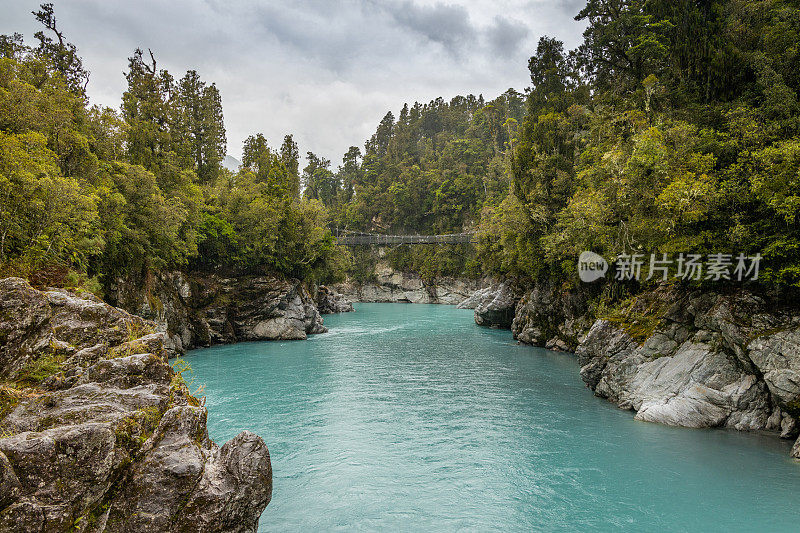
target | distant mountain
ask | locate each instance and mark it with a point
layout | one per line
(231, 163)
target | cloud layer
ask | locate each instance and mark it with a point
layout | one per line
(324, 70)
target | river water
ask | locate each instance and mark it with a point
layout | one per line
(410, 417)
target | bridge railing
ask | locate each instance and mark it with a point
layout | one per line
(348, 239)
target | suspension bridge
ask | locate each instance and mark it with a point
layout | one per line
(355, 238)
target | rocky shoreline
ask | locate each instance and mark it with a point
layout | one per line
(674, 355)
(100, 433)
(391, 286)
(201, 309)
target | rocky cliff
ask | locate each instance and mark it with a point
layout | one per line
(201, 309)
(99, 433)
(329, 301)
(393, 286)
(494, 305)
(675, 356)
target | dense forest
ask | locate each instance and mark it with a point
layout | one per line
(430, 171)
(674, 127)
(89, 194)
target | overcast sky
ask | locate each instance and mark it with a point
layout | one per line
(325, 70)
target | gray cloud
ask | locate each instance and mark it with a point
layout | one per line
(448, 25)
(505, 36)
(324, 70)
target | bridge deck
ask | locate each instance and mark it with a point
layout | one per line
(372, 239)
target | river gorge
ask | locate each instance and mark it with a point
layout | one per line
(412, 417)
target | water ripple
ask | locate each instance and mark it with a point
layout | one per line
(411, 418)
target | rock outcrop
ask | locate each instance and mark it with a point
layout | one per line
(495, 306)
(391, 286)
(331, 302)
(477, 298)
(99, 433)
(676, 356)
(676, 377)
(703, 359)
(552, 316)
(204, 309)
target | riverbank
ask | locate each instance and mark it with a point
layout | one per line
(674, 355)
(391, 286)
(198, 309)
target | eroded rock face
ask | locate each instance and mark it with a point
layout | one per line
(391, 286)
(206, 309)
(709, 360)
(683, 358)
(796, 449)
(551, 316)
(330, 302)
(673, 378)
(777, 356)
(496, 306)
(476, 298)
(100, 434)
(55, 323)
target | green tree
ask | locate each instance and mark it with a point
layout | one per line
(62, 54)
(290, 157)
(197, 127)
(145, 107)
(320, 183)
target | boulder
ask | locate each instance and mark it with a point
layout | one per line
(329, 301)
(101, 434)
(497, 306)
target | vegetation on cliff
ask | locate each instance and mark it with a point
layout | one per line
(672, 128)
(89, 194)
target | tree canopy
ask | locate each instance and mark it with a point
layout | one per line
(90, 193)
(673, 127)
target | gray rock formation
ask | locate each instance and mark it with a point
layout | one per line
(551, 316)
(391, 286)
(674, 378)
(777, 356)
(477, 298)
(331, 302)
(680, 357)
(99, 433)
(206, 309)
(707, 360)
(497, 305)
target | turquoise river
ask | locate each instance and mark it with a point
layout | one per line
(412, 418)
